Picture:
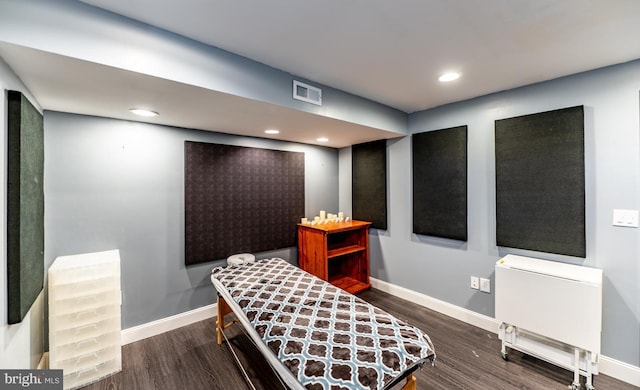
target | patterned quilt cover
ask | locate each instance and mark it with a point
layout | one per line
(326, 337)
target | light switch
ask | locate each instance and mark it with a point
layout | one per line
(485, 285)
(626, 218)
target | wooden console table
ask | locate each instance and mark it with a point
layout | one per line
(337, 252)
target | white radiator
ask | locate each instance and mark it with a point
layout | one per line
(550, 310)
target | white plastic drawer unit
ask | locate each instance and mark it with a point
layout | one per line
(538, 300)
(84, 317)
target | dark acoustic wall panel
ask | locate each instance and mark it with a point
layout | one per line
(25, 205)
(540, 184)
(240, 199)
(440, 183)
(369, 183)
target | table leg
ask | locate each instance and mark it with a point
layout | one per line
(223, 310)
(411, 383)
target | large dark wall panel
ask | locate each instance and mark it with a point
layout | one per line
(369, 183)
(540, 184)
(440, 183)
(25, 205)
(240, 199)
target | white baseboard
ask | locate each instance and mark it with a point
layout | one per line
(612, 367)
(457, 312)
(619, 370)
(157, 327)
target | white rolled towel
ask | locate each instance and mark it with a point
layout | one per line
(240, 258)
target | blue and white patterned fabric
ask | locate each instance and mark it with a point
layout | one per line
(326, 337)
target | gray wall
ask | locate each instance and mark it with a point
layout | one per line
(441, 268)
(112, 184)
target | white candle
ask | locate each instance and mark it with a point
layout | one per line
(316, 219)
(323, 214)
(340, 215)
(304, 221)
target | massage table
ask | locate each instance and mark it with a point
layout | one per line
(315, 335)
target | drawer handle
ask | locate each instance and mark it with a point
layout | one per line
(87, 298)
(86, 370)
(85, 312)
(93, 340)
(83, 357)
(85, 327)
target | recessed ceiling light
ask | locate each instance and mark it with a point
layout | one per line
(450, 76)
(322, 139)
(143, 112)
(272, 131)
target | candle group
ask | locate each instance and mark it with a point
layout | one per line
(324, 217)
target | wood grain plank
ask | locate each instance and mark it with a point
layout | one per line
(467, 358)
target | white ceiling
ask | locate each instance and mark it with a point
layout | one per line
(393, 51)
(388, 51)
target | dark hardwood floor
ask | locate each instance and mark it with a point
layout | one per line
(467, 358)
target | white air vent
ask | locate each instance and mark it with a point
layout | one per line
(307, 93)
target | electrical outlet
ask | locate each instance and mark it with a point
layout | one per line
(475, 283)
(627, 218)
(485, 285)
